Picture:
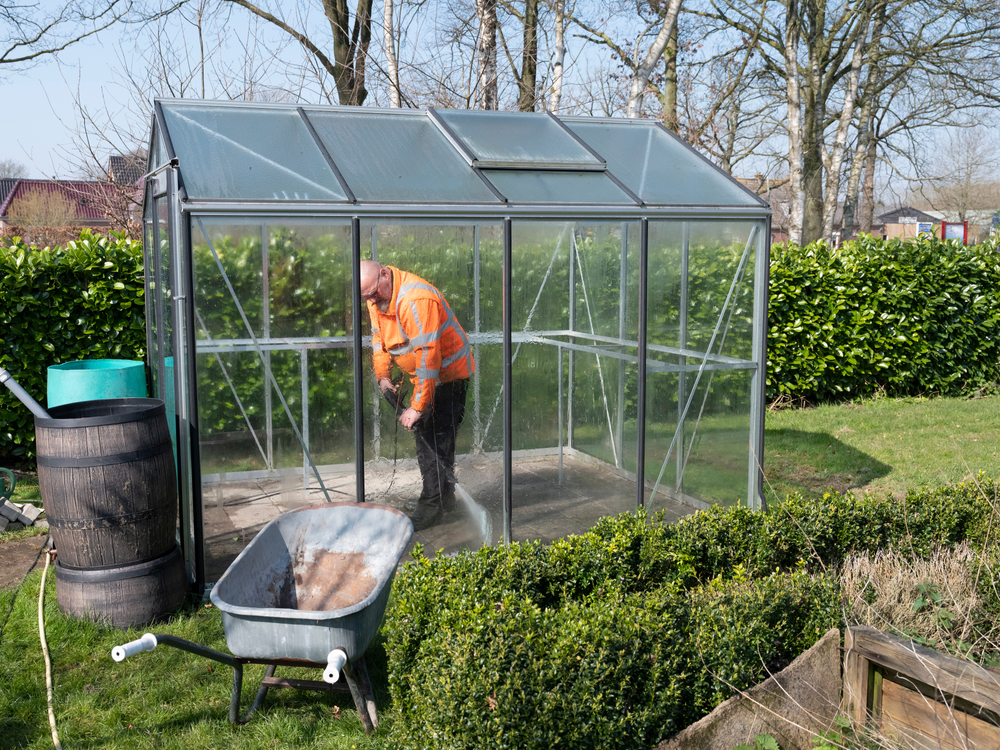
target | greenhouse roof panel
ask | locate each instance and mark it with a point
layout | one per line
(660, 168)
(248, 153)
(398, 158)
(518, 140)
(558, 187)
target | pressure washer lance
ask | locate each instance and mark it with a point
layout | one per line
(8, 380)
(478, 512)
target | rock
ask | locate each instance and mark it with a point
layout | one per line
(14, 526)
(3, 523)
(29, 514)
(41, 523)
(10, 511)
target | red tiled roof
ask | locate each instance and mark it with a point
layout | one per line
(90, 199)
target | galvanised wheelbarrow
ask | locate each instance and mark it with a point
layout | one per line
(310, 590)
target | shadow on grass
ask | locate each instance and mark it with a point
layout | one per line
(812, 463)
(16, 733)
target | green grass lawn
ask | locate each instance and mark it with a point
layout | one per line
(883, 445)
(163, 699)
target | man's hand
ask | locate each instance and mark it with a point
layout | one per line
(409, 417)
(387, 385)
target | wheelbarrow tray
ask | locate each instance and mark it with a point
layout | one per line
(315, 579)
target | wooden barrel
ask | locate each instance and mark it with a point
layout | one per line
(126, 596)
(108, 482)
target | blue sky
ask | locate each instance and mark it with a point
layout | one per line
(30, 130)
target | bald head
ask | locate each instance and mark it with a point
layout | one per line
(369, 274)
(376, 284)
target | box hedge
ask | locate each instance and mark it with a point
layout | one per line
(626, 634)
(81, 301)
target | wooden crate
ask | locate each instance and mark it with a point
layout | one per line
(918, 696)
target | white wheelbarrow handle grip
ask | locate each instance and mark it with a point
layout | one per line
(335, 661)
(146, 643)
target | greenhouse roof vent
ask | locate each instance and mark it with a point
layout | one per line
(516, 140)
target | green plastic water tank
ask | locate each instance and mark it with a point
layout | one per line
(95, 379)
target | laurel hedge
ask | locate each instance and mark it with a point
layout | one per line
(905, 318)
(80, 301)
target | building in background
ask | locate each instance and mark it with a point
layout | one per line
(908, 222)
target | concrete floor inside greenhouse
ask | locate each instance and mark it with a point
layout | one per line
(235, 511)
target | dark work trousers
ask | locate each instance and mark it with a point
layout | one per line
(435, 436)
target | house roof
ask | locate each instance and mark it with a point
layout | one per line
(90, 199)
(906, 215)
(126, 169)
(6, 185)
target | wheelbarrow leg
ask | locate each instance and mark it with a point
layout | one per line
(359, 699)
(234, 701)
(366, 688)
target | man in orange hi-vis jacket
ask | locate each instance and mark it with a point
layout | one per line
(413, 326)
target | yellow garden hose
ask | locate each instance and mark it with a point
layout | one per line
(45, 652)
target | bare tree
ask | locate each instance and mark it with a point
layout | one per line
(486, 12)
(964, 183)
(392, 67)
(558, 54)
(351, 39)
(30, 30)
(11, 168)
(41, 208)
(812, 51)
(641, 70)
(527, 76)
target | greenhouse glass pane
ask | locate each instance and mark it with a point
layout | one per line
(263, 404)
(166, 296)
(398, 158)
(309, 279)
(721, 259)
(463, 262)
(557, 187)
(165, 313)
(515, 137)
(581, 277)
(240, 153)
(158, 148)
(697, 407)
(659, 168)
(718, 439)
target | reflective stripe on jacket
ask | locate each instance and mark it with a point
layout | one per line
(421, 334)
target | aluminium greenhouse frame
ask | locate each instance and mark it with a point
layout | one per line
(179, 217)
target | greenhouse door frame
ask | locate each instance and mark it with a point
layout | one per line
(163, 189)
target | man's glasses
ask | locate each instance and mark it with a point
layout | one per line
(372, 294)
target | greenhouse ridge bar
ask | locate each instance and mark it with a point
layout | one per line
(612, 282)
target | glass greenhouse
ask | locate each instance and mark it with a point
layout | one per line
(612, 282)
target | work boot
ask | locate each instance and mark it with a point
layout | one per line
(449, 503)
(426, 514)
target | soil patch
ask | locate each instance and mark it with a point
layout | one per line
(331, 581)
(18, 558)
